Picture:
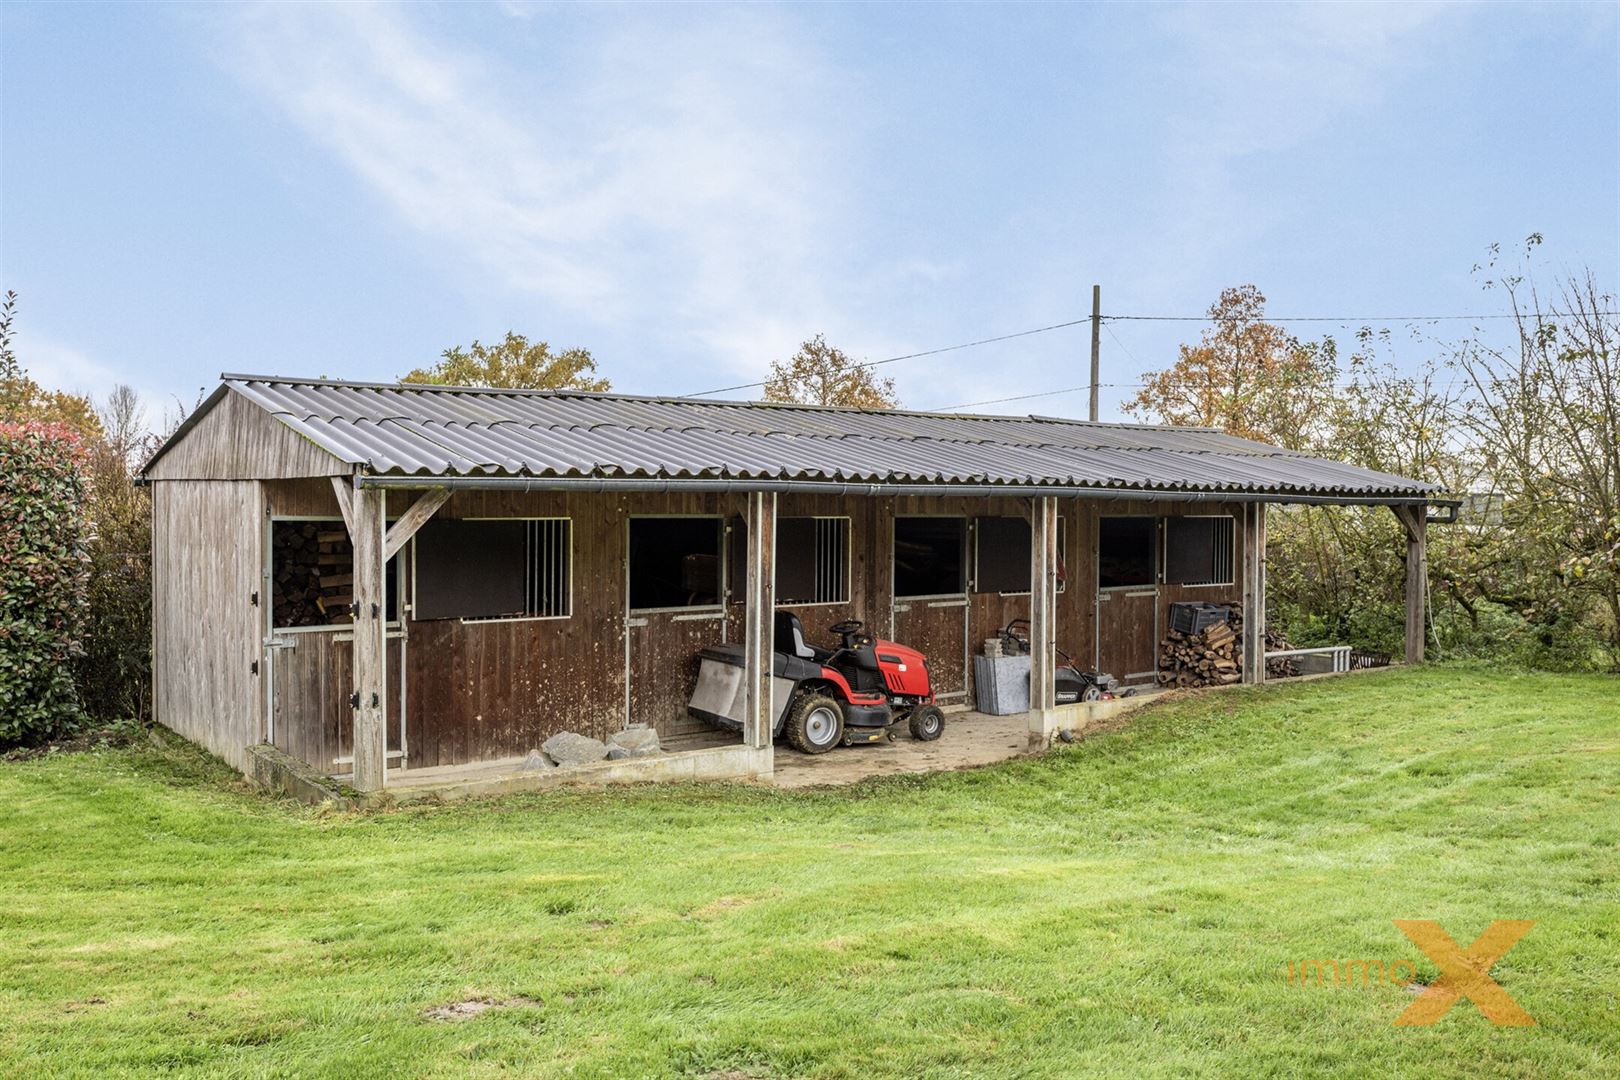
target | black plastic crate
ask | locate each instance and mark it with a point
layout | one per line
(1196, 617)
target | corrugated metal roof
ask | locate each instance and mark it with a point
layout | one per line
(414, 430)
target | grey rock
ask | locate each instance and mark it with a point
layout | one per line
(637, 740)
(572, 748)
(536, 762)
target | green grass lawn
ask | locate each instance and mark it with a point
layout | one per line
(1125, 906)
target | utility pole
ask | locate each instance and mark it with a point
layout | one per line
(1096, 344)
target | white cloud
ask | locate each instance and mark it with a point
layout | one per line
(56, 365)
(694, 170)
(1262, 79)
(1269, 75)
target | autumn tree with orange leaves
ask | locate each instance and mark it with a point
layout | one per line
(822, 374)
(1245, 376)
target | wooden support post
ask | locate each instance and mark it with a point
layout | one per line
(759, 619)
(1043, 567)
(414, 517)
(369, 703)
(343, 488)
(1415, 521)
(1254, 592)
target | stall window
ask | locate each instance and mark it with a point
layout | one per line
(1001, 555)
(929, 556)
(494, 569)
(675, 562)
(312, 575)
(812, 560)
(1125, 549)
(1198, 550)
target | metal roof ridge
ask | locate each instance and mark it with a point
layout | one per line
(675, 399)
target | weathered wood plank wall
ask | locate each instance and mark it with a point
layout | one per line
(206, 628)
(237, 440)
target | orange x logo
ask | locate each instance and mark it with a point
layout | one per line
(1465, 974)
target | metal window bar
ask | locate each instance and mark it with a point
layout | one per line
(1221, 562)
(546, 569)
(1220, 553)
(832, 560)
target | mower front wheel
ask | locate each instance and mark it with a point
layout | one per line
(815, 724)
(927, 723)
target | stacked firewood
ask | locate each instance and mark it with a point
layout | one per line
(314, 574)
(1212, 657)
(1282, 667)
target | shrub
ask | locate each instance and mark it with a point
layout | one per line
(44, 571)
(114, 673)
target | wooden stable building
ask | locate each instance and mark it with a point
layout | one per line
(376, 579)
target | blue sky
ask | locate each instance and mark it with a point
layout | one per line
(691, 191)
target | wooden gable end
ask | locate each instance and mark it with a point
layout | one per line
(237, 440)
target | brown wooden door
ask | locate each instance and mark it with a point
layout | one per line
(937, 627)
(1127, 633)
(1128, 574)
(929, 564)
(661, 659)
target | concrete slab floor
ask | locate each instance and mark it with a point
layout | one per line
(970, 738)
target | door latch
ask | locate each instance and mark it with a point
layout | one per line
(354, 701)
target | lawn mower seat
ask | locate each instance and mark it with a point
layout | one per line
(790, 639)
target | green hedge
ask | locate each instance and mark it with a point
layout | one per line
(44, 575)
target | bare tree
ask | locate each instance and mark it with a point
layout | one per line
(1545, 415)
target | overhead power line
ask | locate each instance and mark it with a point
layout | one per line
(915, 355)
(1321, 318)
(1106, 319)
(1026, 397)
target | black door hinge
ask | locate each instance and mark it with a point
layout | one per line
(254, 667)
(354, 700)
(255, 598)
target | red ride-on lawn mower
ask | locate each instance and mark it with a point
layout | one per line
(856, 693)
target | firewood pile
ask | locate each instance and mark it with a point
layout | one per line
(1214, 657)
(314, 574)
(1283, 667)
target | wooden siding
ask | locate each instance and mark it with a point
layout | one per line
(1127, 628)
(206, 555)
(237, 440)
(484, 689)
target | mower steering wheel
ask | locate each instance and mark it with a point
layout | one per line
(847, 630)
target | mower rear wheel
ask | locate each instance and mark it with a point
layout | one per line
(815, 724)
(927, 723)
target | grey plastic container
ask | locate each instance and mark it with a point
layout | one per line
(1001, 684)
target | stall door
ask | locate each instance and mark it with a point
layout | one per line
(1128, 597)
(311, 678)
(662, 658)
(930, 597)
(678, 584)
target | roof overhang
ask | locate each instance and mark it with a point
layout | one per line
(812, 487)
